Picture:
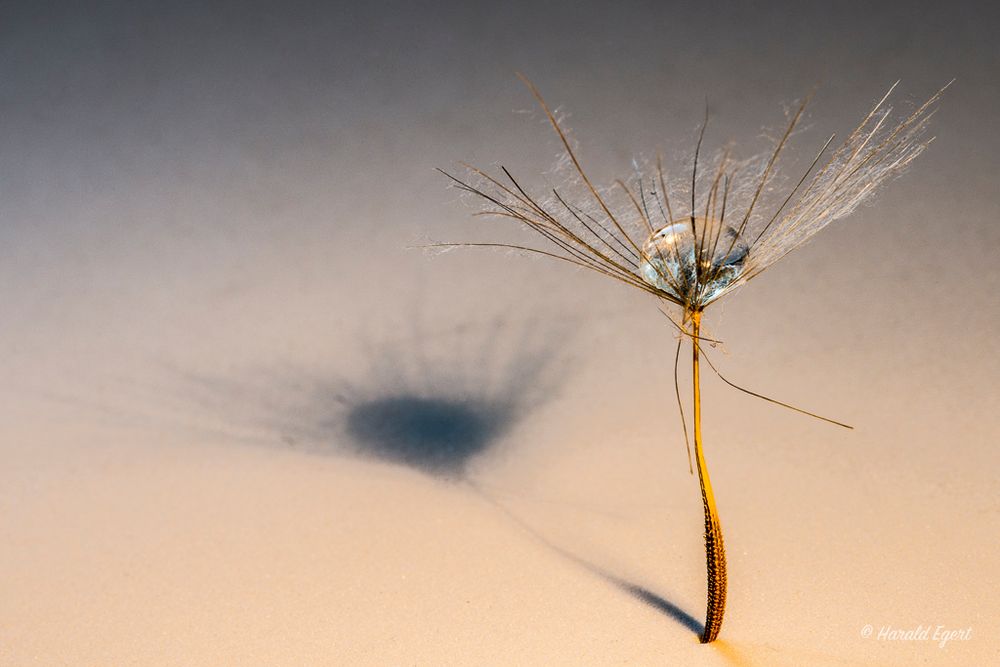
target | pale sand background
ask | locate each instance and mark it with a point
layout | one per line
(203, 272)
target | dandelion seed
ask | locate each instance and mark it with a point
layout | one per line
(691, 242)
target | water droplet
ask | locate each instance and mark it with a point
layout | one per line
(668, 260)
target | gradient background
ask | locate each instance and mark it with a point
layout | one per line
(204, 268)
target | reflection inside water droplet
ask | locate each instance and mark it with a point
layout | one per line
(668, 260)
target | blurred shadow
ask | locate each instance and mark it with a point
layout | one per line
(432, 401)
(440, 400)
(435, 435)
(657, 602)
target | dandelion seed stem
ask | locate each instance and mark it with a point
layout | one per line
(715, 553)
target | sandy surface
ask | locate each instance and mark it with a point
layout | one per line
(203, 295)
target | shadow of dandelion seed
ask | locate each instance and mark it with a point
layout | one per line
(690, 241)
(436, 435)
(438, 402)
(433, 402)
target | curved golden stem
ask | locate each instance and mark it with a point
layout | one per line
(715, 552)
